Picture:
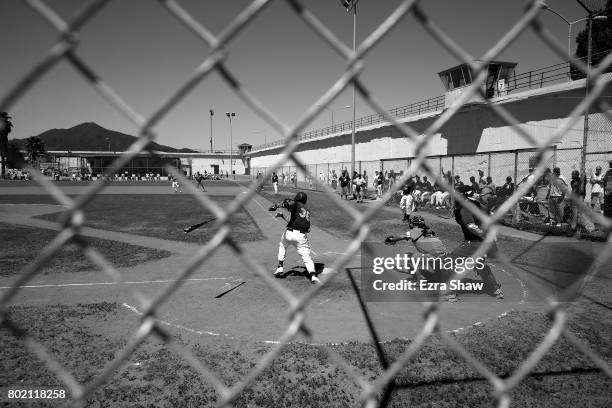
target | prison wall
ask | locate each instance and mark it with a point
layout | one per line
(475, 132)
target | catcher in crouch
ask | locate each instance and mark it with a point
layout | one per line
(426, 242)
(295, 234)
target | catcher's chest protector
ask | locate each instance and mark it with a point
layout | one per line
(430, 245)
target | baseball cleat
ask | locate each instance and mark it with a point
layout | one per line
(314, 279)
(279, 272)
(498, 293)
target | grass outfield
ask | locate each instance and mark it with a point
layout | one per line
(21, 244)
(86, 337)
(157, 215)
(21, 183)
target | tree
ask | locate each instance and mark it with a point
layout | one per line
(5, 128)
(14, 157)
(601, 42)
(35, 148)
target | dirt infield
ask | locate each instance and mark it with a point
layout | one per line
(251, 311)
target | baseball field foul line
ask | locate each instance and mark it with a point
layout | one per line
(60, 285)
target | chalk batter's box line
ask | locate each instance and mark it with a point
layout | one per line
(61, 285)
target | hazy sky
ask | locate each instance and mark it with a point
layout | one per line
(144, 54)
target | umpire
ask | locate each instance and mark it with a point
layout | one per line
(473, 235)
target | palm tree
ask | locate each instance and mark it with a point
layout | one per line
(35, 148)
(5, 128)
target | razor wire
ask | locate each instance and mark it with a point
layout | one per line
(66, 49)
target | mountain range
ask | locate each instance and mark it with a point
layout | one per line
(90, 136)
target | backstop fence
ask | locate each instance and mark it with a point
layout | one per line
(498, 165)
(373, 391)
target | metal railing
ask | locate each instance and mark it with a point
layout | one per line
(538, 78)
(372, 391)
(434, 104)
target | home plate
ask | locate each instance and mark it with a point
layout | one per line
(325, 271)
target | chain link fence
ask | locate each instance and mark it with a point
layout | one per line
(372, 391)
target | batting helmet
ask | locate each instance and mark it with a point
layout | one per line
(301, 197)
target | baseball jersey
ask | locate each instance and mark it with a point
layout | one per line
(275, 178)
(407, 203)
(300, 216)
(465, 217)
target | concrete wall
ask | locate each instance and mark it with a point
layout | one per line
(474, 129)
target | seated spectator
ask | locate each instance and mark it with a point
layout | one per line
(507, 189)
(437, 197)
(426, 189)
(488, 194)
(457, 183)
(475, 185)
(481, 179)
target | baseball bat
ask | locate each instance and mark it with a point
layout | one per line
(196, 226)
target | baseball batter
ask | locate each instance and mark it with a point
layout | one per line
(295, 234)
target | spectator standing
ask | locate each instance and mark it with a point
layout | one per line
(578, 186)
(557, 189)
(407, 204)
(358, 183)
(275, 182)
(334, 180)
(344, 184)
(597, 188)
(607, 187)
(379, 186)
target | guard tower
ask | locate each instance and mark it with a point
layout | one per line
(457, 79)
(245, 148)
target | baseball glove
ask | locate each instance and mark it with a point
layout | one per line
(273, 207)
(389, 240)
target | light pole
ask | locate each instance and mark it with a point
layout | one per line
(352, 5)
(569, 30)
(212, 113)
(589, 19)
(585, 136)
(230, 115)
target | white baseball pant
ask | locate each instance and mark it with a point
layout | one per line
(300, 241)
